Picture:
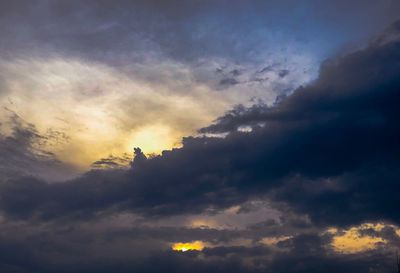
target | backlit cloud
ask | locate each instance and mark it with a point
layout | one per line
(352, 240)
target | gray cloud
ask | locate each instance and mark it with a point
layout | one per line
(23, 152)
(115, 33)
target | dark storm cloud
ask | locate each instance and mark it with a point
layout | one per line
(337, 137)
(329, 148)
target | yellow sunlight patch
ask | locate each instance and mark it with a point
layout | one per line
(195, 245)
(353, 241)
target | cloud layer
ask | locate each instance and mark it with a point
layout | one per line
(305, 181)
(329, 145)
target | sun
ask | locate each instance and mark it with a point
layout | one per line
(152, 139)
(195, 245)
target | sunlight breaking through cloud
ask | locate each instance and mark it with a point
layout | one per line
(353, 240)
(188, 246)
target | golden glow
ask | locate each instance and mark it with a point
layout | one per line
(274, 240)
(100, 110)
(195, 245)
(152, 139)
(352, 241)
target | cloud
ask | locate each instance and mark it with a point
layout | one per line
(307, 183)
(228, 81)
(103, 111)
(111, 162)
(331, 145)
(93, 247)
(353, 241)
(25, 152)
(331, 141)
(184, 30)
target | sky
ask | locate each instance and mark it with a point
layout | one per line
(199, 136)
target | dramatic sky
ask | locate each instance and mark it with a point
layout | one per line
(199, 136)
